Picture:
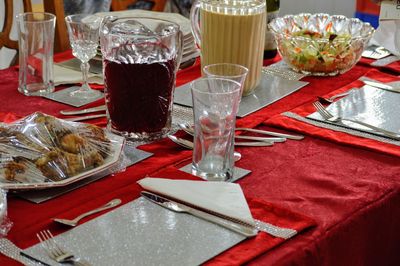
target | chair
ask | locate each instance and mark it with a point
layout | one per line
(154, 5)
(5, 40)
(61, 42)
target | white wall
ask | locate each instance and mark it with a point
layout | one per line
(333, 7)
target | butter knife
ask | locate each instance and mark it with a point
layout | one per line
(382, 86)
(86, 117)
(271, 133)
(83, 111)
(244, 229)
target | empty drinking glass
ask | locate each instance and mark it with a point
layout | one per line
(83, 30)
(215, 105)
(234, 72)
(35, 40)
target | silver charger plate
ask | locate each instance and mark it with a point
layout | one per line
(271, 89)
(143, 233)
(238, 173)
(63, 96)
(96, 66)
(371, 105)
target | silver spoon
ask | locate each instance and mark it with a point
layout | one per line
(189, 145)
(189, 129)
(74, 222)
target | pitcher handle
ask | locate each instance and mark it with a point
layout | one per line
(194, 20)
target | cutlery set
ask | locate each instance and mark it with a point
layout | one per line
(328, 116)
(256, 141)
(238, 226)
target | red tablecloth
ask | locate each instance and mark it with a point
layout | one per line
(352, 194)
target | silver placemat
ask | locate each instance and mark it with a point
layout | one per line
(385, 61)
(370, 105)
(271, 89)
(63, 96)
(340, 128)
(96, 66)
(143, 233)
(238, 173)
(281, 69)
(132, 156)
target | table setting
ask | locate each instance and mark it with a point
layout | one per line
(167, 158)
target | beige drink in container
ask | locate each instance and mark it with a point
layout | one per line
(231, 31)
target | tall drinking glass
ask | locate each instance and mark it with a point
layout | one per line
(215, 105)
(83, 31)
(36, 41)
(140, 60)
(234, 72)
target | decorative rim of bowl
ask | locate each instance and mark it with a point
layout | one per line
(277, 30)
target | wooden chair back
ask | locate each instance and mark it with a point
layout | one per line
(117, 5)
(5, 40)
(61, 41)
(56, 7)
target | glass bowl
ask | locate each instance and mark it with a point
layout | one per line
(321, 44)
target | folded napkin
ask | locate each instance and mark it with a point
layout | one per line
(295, 120)
(220, 197)
(64, 75)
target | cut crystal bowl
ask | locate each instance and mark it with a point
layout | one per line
(321, 44)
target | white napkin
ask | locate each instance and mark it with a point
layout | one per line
(220, 197)
(64, 75)
(386, 35)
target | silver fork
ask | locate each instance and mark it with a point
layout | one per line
(337, 119)
(55, 252)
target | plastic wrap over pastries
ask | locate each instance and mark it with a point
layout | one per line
(42, 148)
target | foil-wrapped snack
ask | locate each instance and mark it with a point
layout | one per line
(41, 148)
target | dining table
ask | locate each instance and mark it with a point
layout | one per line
(339, 191)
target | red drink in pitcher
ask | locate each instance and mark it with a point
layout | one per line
(140, 60)
(139, 96)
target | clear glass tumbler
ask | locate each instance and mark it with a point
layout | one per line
(36, 42)
(140, 59)
(215, 105)
(228, 71)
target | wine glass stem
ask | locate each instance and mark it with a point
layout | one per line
(85, 71)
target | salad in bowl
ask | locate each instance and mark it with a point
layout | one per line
(321, 44)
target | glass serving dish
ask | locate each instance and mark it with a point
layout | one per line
(321, 44)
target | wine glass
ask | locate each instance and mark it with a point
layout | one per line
(83, 31)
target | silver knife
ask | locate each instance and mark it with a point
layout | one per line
(271, 133)
(382, 86)
(82, 118)
(241, 228)
(189, 145)
(83, 111)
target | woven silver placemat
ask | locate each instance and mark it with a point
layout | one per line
(341, 129)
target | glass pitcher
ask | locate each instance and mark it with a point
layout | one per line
(231, 31)
(140, 59)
